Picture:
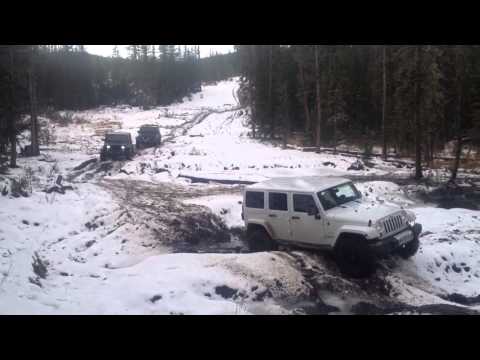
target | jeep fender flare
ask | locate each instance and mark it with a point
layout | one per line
(365, 232)
(255, 224)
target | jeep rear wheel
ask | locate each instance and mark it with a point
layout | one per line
(259, 241)
(353, 257)
(409, 249)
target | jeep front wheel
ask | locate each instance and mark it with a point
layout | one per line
(259, 241)
(409, 249)
(353, 256)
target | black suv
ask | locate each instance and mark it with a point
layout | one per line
(148, 136)
(117, 146)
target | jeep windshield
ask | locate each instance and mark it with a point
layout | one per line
(338, 195)
(117, 139)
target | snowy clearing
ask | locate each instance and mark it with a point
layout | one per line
(140, 237)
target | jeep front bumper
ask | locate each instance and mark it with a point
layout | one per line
(386, 246)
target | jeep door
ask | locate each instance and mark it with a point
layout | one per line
(278, 215)
(307, 221)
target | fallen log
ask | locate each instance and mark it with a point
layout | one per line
(195, 179)
(85, 164)
(58, 187)
(356, 153)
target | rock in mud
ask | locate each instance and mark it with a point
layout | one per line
(155, 298)
(225, 291)
(356, 166)
(329, 163)
(320, 308)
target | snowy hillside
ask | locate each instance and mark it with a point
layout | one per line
(141, 237)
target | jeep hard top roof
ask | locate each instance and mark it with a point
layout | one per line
(149, 127)
(118, 133)
(303, 183)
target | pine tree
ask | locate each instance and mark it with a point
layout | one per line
(153, 52)
(144, 49)
(115, 52)
(134, 52)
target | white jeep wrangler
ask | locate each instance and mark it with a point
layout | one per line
(328, 213)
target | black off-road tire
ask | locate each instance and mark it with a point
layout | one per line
(259, 241)
(409, 249)
(353, 257)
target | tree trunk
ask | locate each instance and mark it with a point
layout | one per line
(256, 116)
(384, 105)
(456, 162)
(458, 115)
(12, 131)
(270, 91)
(318, 132)
(417, 120)
(35, 151)
(305, 105)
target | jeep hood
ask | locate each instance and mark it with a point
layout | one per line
(359, 213)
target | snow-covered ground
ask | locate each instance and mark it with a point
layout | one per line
(110, 245)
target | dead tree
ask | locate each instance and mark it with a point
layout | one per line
(417, 119)
(34, 147)
(318, 131)
(384, 104)
(11, 116)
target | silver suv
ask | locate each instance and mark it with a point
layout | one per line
(327, 213)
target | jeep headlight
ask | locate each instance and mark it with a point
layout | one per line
(378, 227)
(123, 147)
(410, 218)
(108, 146)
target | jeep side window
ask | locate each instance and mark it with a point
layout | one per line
(277, 201)
(303, 203)
(254, 199)
(327, 200)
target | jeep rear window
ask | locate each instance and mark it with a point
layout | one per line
(254, 199)
(149, 130)
(277, 201)
(303, 203)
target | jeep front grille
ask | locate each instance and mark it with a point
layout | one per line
(393, 224)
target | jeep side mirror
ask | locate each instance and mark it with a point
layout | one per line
(312, 211)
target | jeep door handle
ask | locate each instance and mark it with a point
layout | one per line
(273, 215)
(295, 217)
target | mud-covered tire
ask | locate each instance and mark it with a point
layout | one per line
(353, 257)
(259, 241)
(409, 249)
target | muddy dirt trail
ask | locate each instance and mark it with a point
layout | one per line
(183, 227)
